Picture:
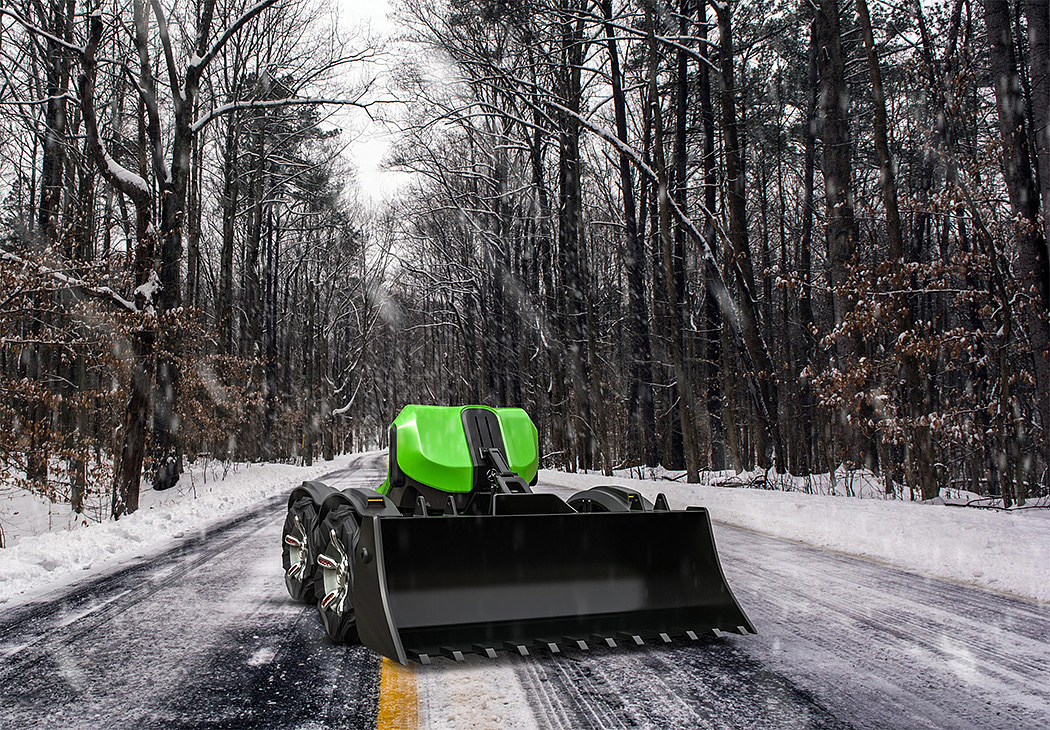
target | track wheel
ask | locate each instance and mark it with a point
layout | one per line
(335, 595)
(299, 542)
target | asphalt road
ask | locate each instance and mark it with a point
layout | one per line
(204, 636)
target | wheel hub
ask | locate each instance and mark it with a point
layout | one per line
(298, 550)
(335, 565)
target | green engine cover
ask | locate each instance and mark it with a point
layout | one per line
(432, 446)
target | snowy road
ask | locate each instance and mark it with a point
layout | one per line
(204, 636)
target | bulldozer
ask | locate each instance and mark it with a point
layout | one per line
(454, 553)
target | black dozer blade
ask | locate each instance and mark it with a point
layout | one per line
(432, 586)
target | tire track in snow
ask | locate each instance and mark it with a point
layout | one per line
(70, 604)
(203, 635)
(875, 645)
(89, 606)
(706, 684)
(886, 647)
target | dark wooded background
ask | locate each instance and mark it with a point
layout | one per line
(789, 235)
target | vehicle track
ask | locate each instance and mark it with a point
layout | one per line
(81, 604)
(888, 647)
(204, 636)
(709, 683)
(82, 610)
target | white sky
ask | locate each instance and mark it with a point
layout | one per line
(371, 141)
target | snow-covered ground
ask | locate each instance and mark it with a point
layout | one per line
(47, 546)
(1002, 551)
(839, 639)
(475, 693)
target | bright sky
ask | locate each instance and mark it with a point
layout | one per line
(371, 141)
(365, 10)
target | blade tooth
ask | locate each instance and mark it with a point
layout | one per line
(554, 648)
(717, 632)
(743, 630)
(520, 648)
(665, 638)
(626, 636)
(454, 654)
(423, 659)
(486, 650)
(692, 635)
(580, 643)
(607, 640)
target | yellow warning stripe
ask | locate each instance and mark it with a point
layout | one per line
(398, 706)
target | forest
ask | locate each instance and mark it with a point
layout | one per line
(792, 236)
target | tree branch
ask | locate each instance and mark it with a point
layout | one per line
(116, 175)
(37, 30)
(99, 292)
(169, 57)
(241, 105)
(230, 32)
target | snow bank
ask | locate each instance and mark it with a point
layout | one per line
(1007, 552)
(1003, 551)
(44, 553)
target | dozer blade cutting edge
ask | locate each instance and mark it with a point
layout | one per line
(454, 553)
(459, 584)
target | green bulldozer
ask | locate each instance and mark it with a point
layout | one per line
(454, 553)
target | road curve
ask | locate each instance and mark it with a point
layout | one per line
(204, 636)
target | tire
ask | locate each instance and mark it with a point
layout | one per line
(335, 584)
(299, 544)
(610, 499)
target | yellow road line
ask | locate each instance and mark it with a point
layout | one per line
(398, 705)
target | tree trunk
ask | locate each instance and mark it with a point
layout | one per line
(308, 367)
(167, 451)
(135, 433)
(194, 211)
(712, 312)
(53, 159)
(920, 469)
(1039, 64)
(1032, 261)
(887, 174)
(761, 366)
(230, 193)
(838, 199)
(251, 295)
(837, 148)
(1038, 12)
(640, 391)
(683, 383)
(128, 469)
(805, 304)
(273, 259)
(679, 180)
(570, 220)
